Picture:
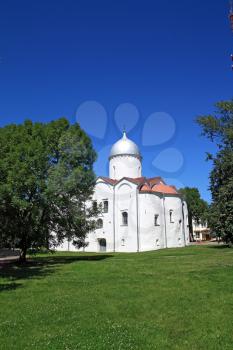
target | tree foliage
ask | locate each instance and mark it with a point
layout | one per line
(197, 207)
(46, 179)
(219, 129)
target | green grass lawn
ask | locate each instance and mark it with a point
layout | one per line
(168, 299)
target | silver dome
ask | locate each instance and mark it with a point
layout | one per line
(126, 147)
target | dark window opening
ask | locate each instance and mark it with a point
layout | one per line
(102, 245)
(171, 216)
(156, 220)
(99, 223)
(125, 218)
(105, 206)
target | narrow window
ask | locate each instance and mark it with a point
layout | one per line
(105, 206)
(125, 218)
(171, 216)
(99, 223)
(156, 220)
(123, 242)
(94, 205)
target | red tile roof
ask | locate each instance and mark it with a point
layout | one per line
(155, 180)
(108, 180)
(137, 180)
(145, 188)
(164, 189)
(152, 185)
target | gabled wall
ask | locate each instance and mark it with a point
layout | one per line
(126, 200)
(103, 191)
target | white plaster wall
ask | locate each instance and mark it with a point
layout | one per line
(102, 192)
(124, 166)
(174, 229)
(151, 237)
(126, 200)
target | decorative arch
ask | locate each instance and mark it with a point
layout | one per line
(127, 186)
(103, 186)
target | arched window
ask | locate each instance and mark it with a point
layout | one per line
(105, 206)
(99, 223)
(125, 218)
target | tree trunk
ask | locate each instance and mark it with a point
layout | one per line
(22, 257)
(23, 250)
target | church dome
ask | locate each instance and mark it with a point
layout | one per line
(125, 147)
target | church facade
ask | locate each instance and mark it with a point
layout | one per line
(138, 213)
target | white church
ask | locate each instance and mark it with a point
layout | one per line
(139, 213)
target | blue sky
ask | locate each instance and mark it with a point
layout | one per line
(167, 57)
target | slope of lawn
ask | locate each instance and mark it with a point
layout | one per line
(168, 299)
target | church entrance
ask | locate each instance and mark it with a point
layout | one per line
(102, 245)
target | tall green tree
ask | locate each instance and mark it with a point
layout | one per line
(219, 129)
(46, 180)
(197, 207)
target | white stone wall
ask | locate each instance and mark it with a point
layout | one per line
(151, 237)
(126, 201)
(103, 192)
(168, 233)
(124, 166)
(174, 223)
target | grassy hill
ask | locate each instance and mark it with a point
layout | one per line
(169, 299)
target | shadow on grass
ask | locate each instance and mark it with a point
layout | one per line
(218, 246)
(39, 267)
(9, 286)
